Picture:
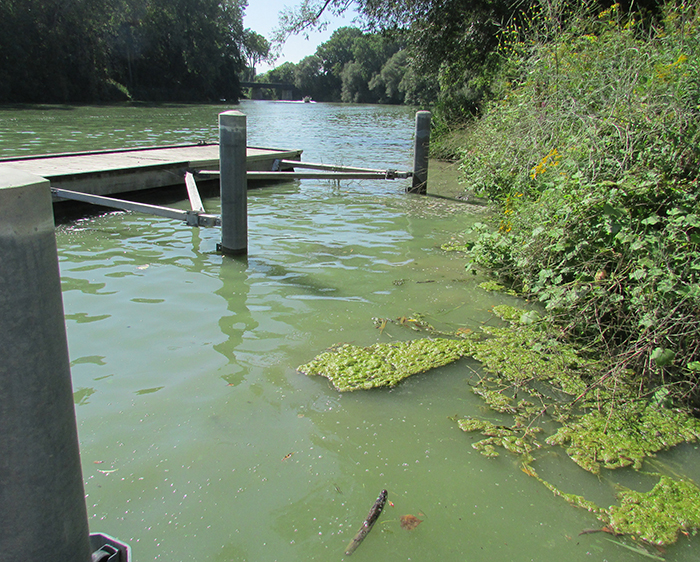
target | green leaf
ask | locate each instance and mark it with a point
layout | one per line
(661, 397)
(529, 317)
(612, 211)
(653, 219)
(662, 356)
(647, 320)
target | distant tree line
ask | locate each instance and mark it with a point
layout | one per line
(104, 50)
(448, 52)
(357, 67)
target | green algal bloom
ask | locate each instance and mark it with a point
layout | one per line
(658, 516)
(520, 353)
(624, 436)
(515, 440)
(350, 367)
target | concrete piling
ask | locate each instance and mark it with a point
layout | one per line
(42, 498)
(420, 154)
(234, 183)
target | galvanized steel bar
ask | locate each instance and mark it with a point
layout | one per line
(324, 175)
(289, 175)
(421, 153)
(193, 193)
(193, 218)
(234, 184)
(329, 167)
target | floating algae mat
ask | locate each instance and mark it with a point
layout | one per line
(598, 432)
(671, 507)
(611, 441)
(656, 517)
(350, 367)
(530, 374)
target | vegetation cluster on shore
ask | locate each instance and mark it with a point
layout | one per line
(590, 156)
(87, 51)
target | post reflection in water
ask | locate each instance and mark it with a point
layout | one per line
(238, 322)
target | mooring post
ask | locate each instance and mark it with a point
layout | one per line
(234, 183)
(42, 498)
(420, 154)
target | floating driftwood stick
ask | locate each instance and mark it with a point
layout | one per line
(372, 517)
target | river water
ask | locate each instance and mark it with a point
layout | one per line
(200, 441)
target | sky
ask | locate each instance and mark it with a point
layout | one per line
(261, 17)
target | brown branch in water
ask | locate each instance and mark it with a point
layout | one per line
(369, 522)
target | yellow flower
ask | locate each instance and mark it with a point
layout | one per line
(552, 159)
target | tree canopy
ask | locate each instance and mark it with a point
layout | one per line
(452, 43)
(357, 67)
(87, 50)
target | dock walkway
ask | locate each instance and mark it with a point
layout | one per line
(120, 171)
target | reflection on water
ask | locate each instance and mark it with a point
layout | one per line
(199, 439)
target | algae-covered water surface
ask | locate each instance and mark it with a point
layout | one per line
(201, 441)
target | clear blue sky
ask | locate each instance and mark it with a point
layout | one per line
(261, 17)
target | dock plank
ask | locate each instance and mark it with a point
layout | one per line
(106, 173)
(86, 163)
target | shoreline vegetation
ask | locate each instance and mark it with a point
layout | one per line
(588, 150)
(594, 190)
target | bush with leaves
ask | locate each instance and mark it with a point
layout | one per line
(604, 98)
(593, 154)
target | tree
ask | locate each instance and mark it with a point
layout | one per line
(255, 49)
(354, 84)
(192, 49)
(284, 74)
(387, 83)
(345, 65)
(52, 50)
(450, 42)
(81, 50)
(309, 78)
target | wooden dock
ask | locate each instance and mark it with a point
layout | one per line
(119, 171)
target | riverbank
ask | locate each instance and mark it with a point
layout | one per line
(599, 218)
(444, 179)
(596, 217)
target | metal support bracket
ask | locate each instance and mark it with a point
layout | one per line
(192, 218)
(108, 549)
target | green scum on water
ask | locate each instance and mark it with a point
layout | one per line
(531, 375)
(350, 367)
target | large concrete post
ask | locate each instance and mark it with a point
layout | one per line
(42, 499)
(234, 183)
(420, 154)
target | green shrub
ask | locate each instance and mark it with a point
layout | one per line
(593, 156)
(608, 97)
